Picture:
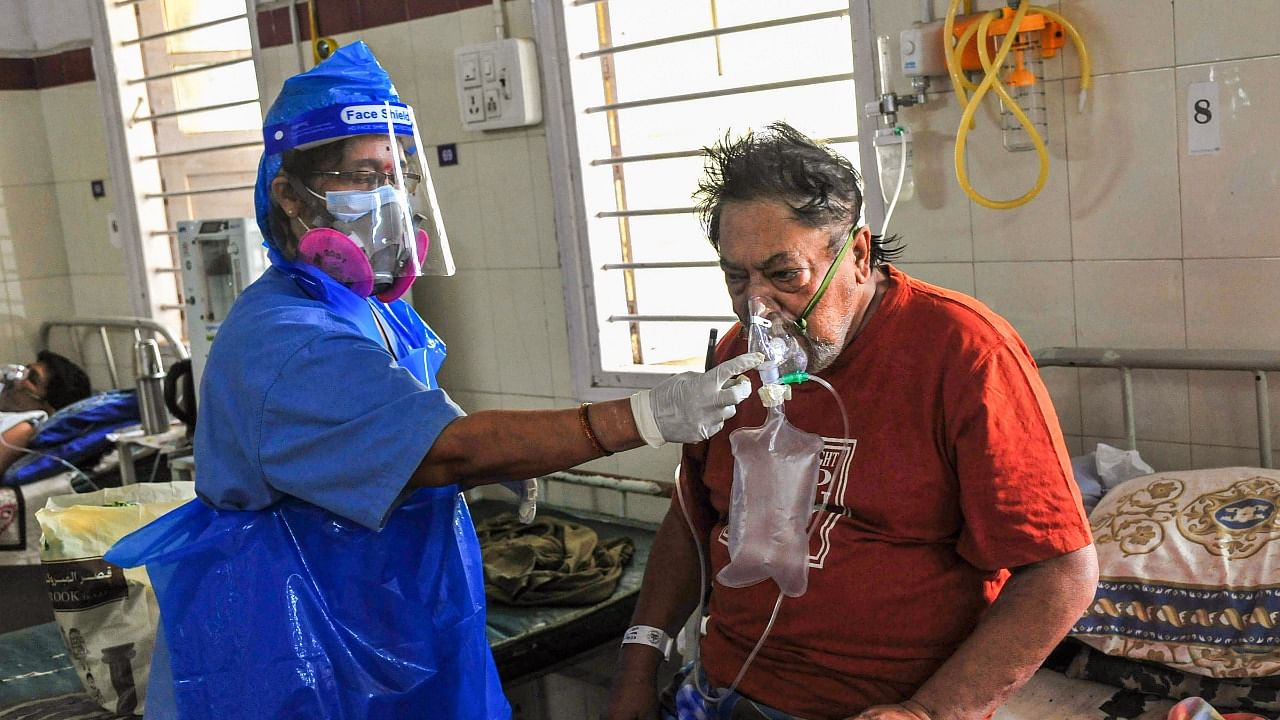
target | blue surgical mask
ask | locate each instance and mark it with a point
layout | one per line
(351, 205)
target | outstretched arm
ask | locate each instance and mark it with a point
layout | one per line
(501, 445)
(498, 445)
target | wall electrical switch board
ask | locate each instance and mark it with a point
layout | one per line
(497, 84)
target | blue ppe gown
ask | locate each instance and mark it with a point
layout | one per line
(307, 581)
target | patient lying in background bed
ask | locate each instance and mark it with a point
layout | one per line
(30, 394)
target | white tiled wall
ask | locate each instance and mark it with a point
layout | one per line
(1133, 242)
(55, 256)
(78, 155)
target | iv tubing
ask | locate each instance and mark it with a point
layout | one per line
(708, 694)
(73, 468)
(702, 562)
(902, 175)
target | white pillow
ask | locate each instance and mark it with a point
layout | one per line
(1190, 572)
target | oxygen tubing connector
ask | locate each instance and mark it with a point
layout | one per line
(773, 394)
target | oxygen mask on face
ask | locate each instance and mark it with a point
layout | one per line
(774, 336)
(10, 374)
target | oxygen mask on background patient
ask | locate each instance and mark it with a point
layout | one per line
(775, 470)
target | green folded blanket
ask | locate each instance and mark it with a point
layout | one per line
(549, 561)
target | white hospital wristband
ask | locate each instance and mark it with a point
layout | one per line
(656, 638)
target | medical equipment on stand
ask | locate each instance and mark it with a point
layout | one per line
(219, 259)
(776, 468)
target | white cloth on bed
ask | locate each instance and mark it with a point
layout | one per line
(9, 419)
(1104, 468)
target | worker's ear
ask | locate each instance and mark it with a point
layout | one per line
(283, 195)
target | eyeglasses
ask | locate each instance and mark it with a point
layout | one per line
(372, 179)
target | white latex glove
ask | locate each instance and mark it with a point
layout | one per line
(527, 492)
(691, 407)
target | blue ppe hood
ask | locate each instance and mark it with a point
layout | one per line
(347, 94)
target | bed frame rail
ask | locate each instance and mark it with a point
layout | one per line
(103, 328)
(1258, 362)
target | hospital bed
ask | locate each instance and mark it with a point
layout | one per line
(1059, 689)
(528, 642)
(103, 347)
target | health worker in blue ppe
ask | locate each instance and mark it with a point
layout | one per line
(329, 568)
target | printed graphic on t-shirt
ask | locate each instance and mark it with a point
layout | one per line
(833, 482)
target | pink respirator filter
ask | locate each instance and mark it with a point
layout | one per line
(343, 260)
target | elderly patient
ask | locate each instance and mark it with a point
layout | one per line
(952, 552)
(38, 390)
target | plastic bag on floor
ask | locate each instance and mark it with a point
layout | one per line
(107, 615)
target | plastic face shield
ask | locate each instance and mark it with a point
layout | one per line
(383, 227)
(426, 208)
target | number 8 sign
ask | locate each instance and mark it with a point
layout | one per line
(1204, 133)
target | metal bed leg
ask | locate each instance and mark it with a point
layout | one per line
(1264, 418)
(1130, 425)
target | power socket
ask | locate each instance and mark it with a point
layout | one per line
(497, 84)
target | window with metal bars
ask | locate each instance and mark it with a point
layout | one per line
(643, 86)
(183, 123)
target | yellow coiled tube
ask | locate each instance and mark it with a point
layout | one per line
(991, 79)
(1086, 66)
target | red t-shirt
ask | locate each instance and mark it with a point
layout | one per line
(956, 470)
